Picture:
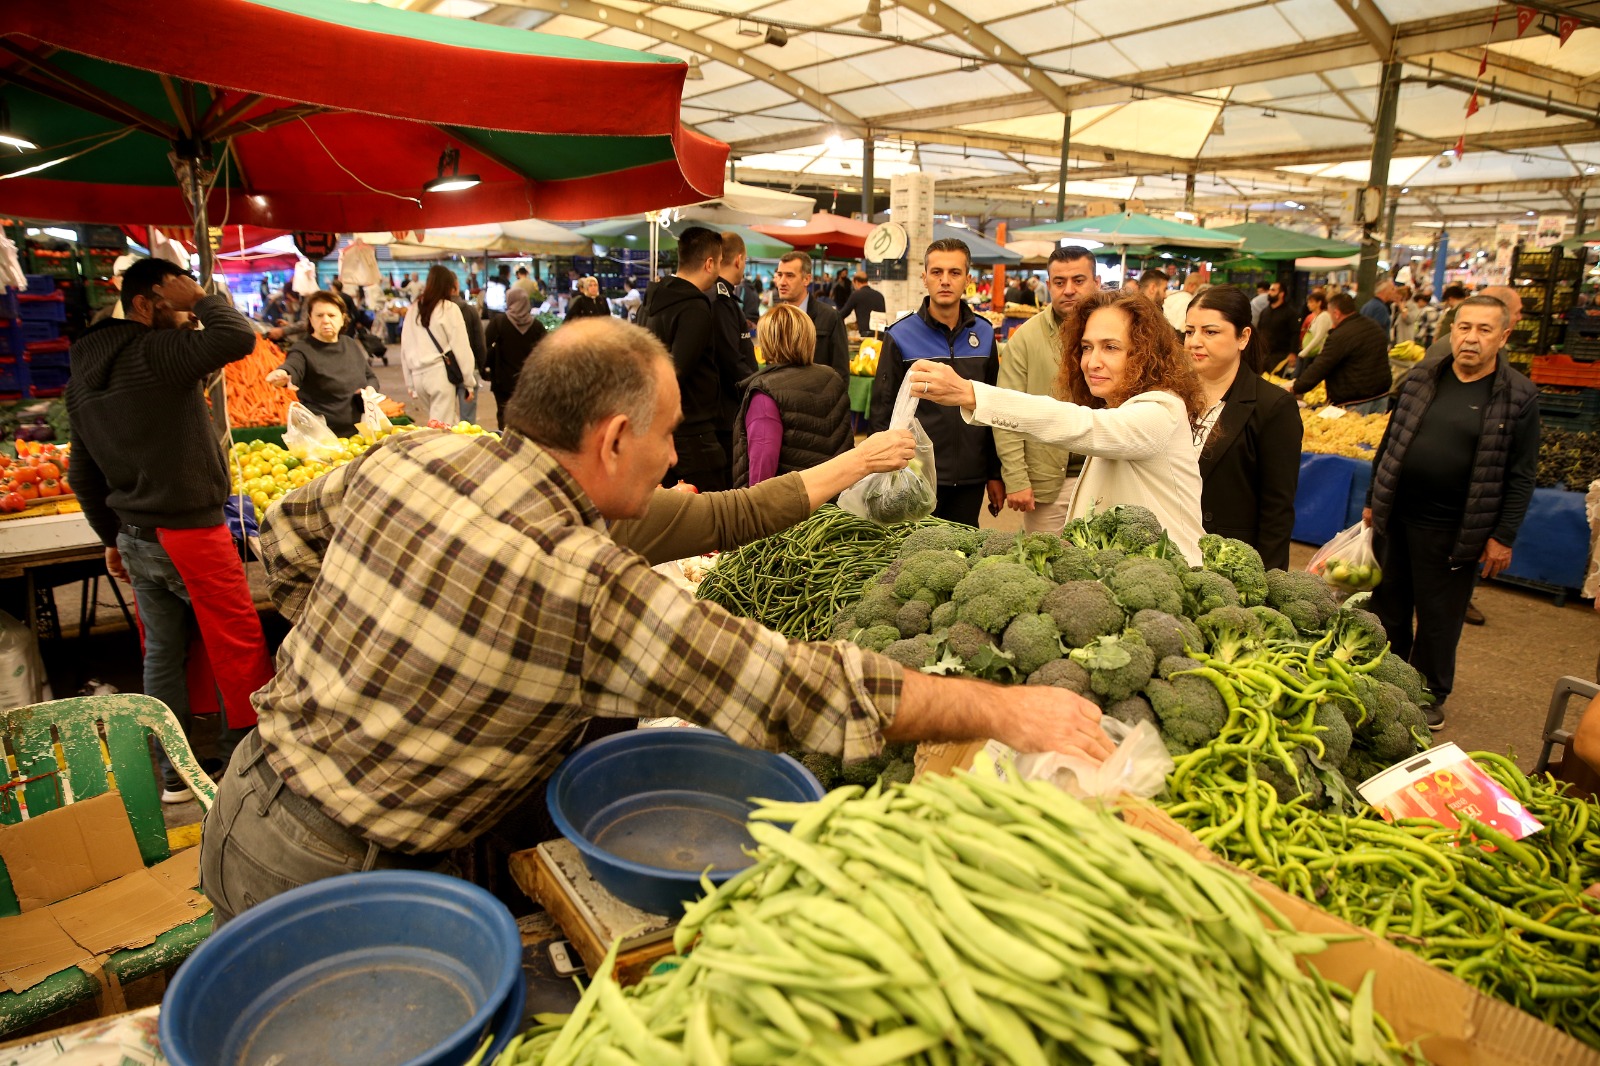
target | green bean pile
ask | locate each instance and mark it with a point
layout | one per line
(794, 582)
(1508, 917)
(969, 920)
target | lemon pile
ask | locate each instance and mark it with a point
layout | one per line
(266, 472)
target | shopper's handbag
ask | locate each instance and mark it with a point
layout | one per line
(452, 369)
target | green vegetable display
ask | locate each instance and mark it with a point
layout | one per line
(970, 920)
(796, 581)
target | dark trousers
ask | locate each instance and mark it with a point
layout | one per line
(960, 503)
(1418, 581)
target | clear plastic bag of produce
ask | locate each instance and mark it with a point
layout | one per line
(897, 496)
(1139, 767)
(1347, 562)
(374, 423)
(307, 436)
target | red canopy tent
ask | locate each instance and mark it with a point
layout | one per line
(841, 237)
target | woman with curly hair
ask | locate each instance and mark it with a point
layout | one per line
(1130, 401)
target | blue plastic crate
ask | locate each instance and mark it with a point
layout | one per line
(40, 331)
(48, 309)
(41, 284)
(9, 381)
(48, 360)
(48, 381)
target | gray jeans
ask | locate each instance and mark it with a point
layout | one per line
(260, 839)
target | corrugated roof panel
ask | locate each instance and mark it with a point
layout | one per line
(1247, 31)
(1314, 20)
(1580, 55)
(1120, 16)
(1102, 59)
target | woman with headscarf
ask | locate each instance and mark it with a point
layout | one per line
(588, 303)
(510, 337)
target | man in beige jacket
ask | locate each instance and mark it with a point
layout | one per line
(1035, 474)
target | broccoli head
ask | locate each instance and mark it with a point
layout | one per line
(914, 618)
(843, 624)
(877, 638)
(1231, 632)
(1176, 664)
(890, 574)
(1063, 673)
(1106, 561)
(936, 536)
(915, 652)
(1146, 584)
(936, 571)
(1167, 634)
(1131, 711)
(898, 772)
(1037, 551)
(996, 542)
(1396, 671)
(1189, 710)
(965, 639)
(979, 655)
(1358, 636)
(1031, 640)
(878, 607)
(996, 591)
(1118, 666)
(1239, 563)
(1083, 611)
(1073, 564)
(1205, 591)
(1137, 528)
(1334, 731)
(1393, 744)
(1416, 724)
(943, 616)
(825, 768)
(1302, 597)
(1275, 625)
(988, 612)
(1303, 782)
(863, 772)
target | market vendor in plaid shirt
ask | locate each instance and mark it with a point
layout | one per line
(462, 606)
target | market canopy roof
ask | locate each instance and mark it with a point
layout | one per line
(1129, 229)
(1274, 243)
(529, 236)
(984, 251)
(840, 236)
(331, 115)
(746, 205)
(635, 233)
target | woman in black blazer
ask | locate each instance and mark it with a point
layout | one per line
(1250, 434)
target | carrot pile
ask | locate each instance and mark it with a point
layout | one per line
(251, 401)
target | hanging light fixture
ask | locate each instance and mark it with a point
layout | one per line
(695, 73)
(872, 21)
(777, 36)
(21, 144)
(455, 181)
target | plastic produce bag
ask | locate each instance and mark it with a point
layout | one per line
(358, 264)
(1347, 562)
(305, 278)
(22, 675)
(307, 436)
(896, 496)
(374, 423)
(1139, 767)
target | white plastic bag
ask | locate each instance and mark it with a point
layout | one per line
(358, 264)
(1347, 562)
(22, 676)
(307, 436)
(896, 496)
(374, 423)
(1139, 767)
(305, 278)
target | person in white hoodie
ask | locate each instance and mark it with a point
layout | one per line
(434, 326)
(1131, 402)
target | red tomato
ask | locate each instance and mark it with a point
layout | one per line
(48, 471)
(49, 487)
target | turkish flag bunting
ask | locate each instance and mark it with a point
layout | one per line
(1483, 64)
(1461, 146)
(1565, 25)
(1525, 17)
(1472, 105)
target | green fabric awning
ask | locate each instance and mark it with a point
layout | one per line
(1273, 243)
(1130, 228)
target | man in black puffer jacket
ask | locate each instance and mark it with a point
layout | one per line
(678, 311)
(152, 480)
(1451, 482)
(1354, 361)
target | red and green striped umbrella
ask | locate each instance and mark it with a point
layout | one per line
(331, 115)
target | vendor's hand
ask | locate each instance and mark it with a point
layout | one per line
(1045, 718)
(275, 333)
(1020, 501)
(114, 566)
(181, 291)
(1496, 557)
(890, 450)
(997, 495)
(1366, 517)
(941, 384)
(279, 377)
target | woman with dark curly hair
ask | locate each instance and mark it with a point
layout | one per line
(1130, 401)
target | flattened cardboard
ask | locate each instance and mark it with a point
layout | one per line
(32, 947)
(130, 912)
(70, 850)
(181, 875)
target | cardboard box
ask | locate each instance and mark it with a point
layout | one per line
(1455, 1024)
(85, 892)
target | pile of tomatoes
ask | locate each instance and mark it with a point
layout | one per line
(38, 472)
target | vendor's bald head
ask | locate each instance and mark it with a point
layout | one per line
(1511, 298)
(601, 396)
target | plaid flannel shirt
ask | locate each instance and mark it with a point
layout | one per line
(460, 610)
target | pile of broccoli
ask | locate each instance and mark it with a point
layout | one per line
(1110, 610)
(893, 765)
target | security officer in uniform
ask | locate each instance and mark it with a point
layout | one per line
(944, 328)
(730, 340)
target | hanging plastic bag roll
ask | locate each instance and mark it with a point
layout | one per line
(896, 496)
(307, 436)
(374, 423)
(1347, 562)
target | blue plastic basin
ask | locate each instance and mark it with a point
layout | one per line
(388, 968)
(649, 810)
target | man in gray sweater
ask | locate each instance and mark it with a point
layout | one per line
(152, 480)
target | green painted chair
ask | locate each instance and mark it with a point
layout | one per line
(76, 728)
